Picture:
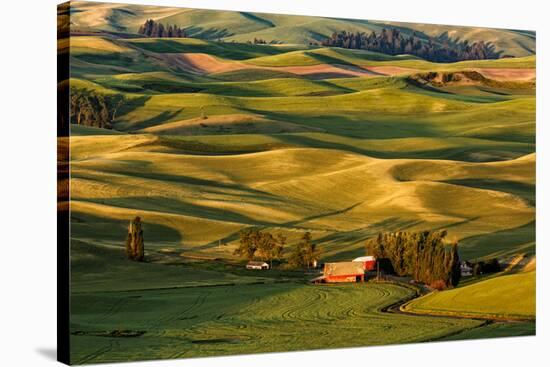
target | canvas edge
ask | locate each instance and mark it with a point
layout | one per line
(63, 174)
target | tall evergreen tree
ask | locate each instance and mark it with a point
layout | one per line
(135, 249)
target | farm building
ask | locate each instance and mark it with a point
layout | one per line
(465, 268)
(369, 262)
(349, 271)
(257, 265)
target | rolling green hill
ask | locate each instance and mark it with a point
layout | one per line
(212, 135)
(190, 99)
(109, 182)
(209, 104)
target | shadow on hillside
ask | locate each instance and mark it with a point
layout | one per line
(129, 107)
(322, 215)
(445, 38)
(465, 221)
(207, 33)
(162, 117)
(163, 204)
(354, 125)
(207, 186)
(84, 225)
(500, 243)
(525, 191)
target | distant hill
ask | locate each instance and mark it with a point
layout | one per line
(289, 29)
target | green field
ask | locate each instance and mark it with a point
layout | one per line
(244, 319)
(217, 134)
(505, 296)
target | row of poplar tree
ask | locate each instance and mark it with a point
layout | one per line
(424, 256)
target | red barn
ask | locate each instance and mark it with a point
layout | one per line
(369, 262)
(343, 272)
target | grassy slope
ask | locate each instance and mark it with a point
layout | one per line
(223, 50)
(160, 180)
(93, 57)
(367, 58)
(510, 295)
(274, 87)
(378, 96)
(415, 115)
(105, 268)
(114, 17)
(275, 84)
(78, 130)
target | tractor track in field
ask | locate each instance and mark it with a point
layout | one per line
(396, 308)
(91, 356)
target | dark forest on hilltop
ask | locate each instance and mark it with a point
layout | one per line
(392, 42)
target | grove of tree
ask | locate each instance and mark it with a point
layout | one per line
(263, 244)
(392, 42)
(424, 256)
(157, 30)
(92, 109)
